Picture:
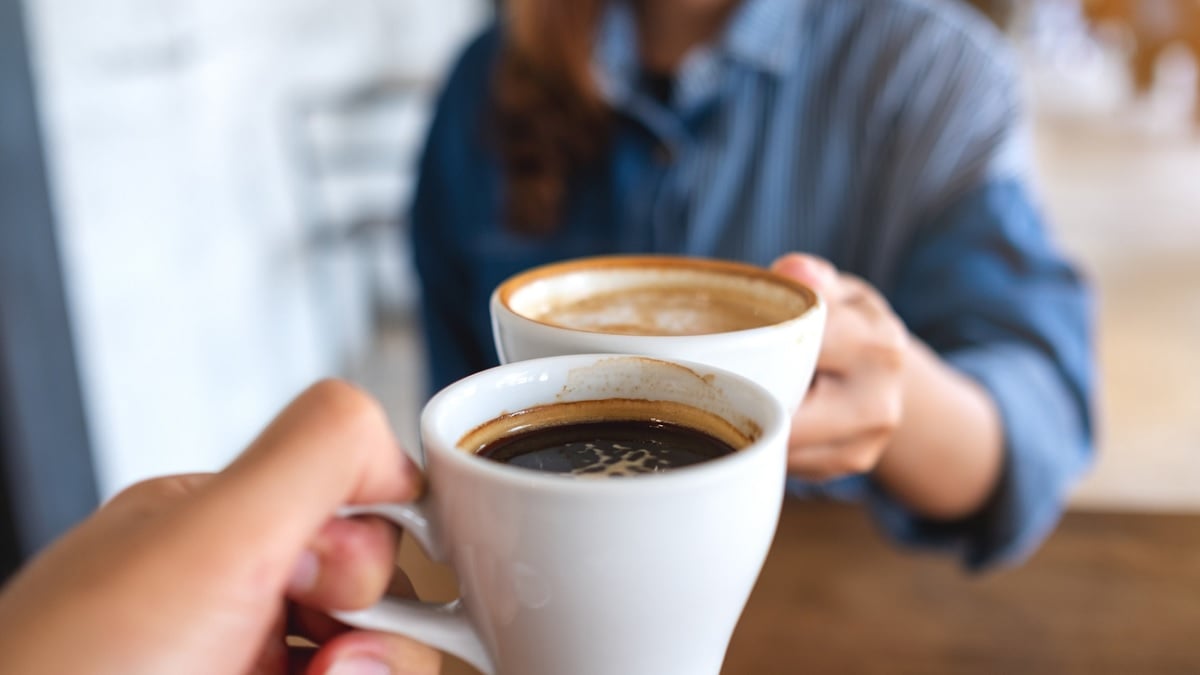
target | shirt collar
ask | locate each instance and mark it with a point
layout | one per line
(615, 56)
(763, 34)
(766, 34)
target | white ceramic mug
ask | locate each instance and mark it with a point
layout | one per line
(562, 575)
(780, 356)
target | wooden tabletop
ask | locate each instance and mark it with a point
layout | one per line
(1108, 594)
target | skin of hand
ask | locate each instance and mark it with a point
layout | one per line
(883, 403)
(207, 574)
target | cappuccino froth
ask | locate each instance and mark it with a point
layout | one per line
(665, 311)
(655, 297)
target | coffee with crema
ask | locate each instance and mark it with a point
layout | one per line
(605, 439)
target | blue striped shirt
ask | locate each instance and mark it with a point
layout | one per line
(884, 135)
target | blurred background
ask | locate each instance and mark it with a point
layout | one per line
(222, 210)
(221, 223)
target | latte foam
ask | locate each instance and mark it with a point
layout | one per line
(664, 311)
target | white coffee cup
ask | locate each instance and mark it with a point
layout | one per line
(781, 354)
(564, 575)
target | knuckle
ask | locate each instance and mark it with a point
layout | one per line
(855, 284)
(351, 407)
(141, 491)
(151, 494)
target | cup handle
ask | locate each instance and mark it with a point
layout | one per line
(443, 626)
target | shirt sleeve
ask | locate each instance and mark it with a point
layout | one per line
(437, 221)
(983, 285)
(985, 288)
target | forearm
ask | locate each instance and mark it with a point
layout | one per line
(946, 456)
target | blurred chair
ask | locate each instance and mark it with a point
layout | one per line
(355, 154)
(354, 149)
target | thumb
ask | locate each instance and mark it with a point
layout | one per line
(331, 446)
(817, 273)
(368, 653)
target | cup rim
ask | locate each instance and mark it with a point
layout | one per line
(773, 422)
(502, 295)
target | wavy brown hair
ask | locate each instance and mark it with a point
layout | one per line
(551, 121)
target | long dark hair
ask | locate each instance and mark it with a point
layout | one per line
(551, 120)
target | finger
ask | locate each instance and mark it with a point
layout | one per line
(329, 447)
(844, 326)
(844, 333)
(861, 331)
(152, 496)
(814, 463)
(134, 506)
(312, 625)
(827, 462)
(817, 273)
(823, 418)
(273, 656)
(370, 652)
(347, 565)
(838, 409)
(857, 293)
(318, 627)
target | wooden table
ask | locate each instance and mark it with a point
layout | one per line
(1108, 593)
(1111, 594)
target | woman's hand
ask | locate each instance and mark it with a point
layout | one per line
(207, 574)
(856, 400)
(884, 403)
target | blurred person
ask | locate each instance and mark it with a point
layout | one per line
(880, 141)
(206, 574)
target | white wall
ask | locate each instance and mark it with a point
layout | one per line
(190, 282)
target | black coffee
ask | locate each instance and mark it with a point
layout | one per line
(606, 448)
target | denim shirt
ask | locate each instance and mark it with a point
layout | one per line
(884, 135)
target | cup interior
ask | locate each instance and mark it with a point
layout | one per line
(472, 404)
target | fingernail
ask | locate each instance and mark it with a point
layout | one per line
(360, 665)
(304, 574)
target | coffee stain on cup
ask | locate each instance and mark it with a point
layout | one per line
(639, 376)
